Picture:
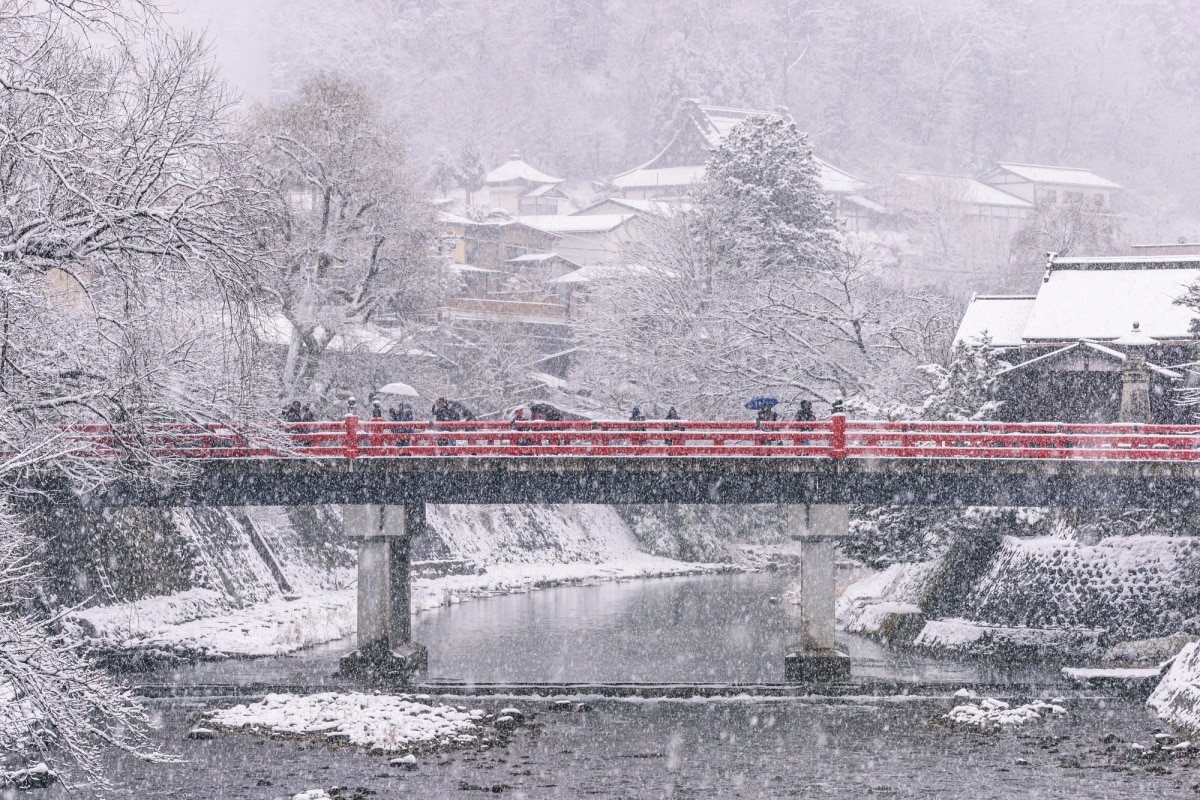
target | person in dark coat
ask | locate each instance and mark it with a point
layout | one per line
(672, 413)
(636, 415)
(805, 414)
(293, 413)
(766, 414)
(837, 407)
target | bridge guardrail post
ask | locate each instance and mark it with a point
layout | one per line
(350, 448)
(837, 441)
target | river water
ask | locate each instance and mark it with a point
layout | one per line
(722, 629)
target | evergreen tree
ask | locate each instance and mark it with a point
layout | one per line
(763, 201)
(961, 391)
(470, 170)
(443, 173)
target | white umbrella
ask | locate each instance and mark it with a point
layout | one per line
(401, 389)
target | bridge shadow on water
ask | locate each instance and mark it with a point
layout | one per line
(723, 632)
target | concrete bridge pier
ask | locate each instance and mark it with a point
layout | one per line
(385, 647)
(815, 657)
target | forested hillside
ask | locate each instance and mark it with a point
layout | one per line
(587, 89)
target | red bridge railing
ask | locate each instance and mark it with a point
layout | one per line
(837, 438)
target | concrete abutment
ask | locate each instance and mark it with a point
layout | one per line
(815, 657)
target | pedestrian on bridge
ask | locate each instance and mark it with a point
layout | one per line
(805, 414)
(293, 413)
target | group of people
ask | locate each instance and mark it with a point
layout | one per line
(298, 412)
(452, 411)
(767, 412)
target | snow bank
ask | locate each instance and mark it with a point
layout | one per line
(961, 636)
(1176, 699)
(387, 723)
(885, 604)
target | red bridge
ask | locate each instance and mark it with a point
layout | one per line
(837, 438)
(384, 473)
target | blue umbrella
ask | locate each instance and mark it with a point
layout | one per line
(760, 400)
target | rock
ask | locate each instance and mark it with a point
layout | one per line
(202, 734)
(338, 737)
(1109, 738)
(38, 776)
(1021, 762)
(404, 762)
(505, 723)
(561, 705)
(580, 707)
(515, 713)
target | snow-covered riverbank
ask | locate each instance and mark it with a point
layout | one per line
(201, 623)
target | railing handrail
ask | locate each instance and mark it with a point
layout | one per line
(835, 438)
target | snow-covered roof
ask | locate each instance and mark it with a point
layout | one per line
(865, 203)
(837, 181)
(1104, 303)
(515, 170)
(454, 219)
(967, 190)
(593, 271)
(1002, 317)
(563, 223)
(1063, 176)
(661, 207)
(717, 121)
(665, 176)
(540, 258)
(546, 189)
(833, 180)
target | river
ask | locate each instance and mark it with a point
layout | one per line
(723, 629)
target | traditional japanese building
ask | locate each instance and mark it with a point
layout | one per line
(1103, 340)
(702, 128)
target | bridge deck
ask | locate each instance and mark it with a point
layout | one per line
(832, 461)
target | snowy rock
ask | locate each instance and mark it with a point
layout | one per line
(202, 733)
(515, 713)
(581, 707)
(313, 794)
(405, 762)
(561, 705)
(991, 713)
(39, 776)
(506, 723)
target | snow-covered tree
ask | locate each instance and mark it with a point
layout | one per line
(352, 236)
(443, 173)
(128, 269)
(470, 171)
(960, 391)
(751, 289)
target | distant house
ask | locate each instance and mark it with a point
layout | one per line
(701, 129)
(1039, 184)
(588, 238)
(490, 243)
(519, 189)
(1099, 332)
(961, 199)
